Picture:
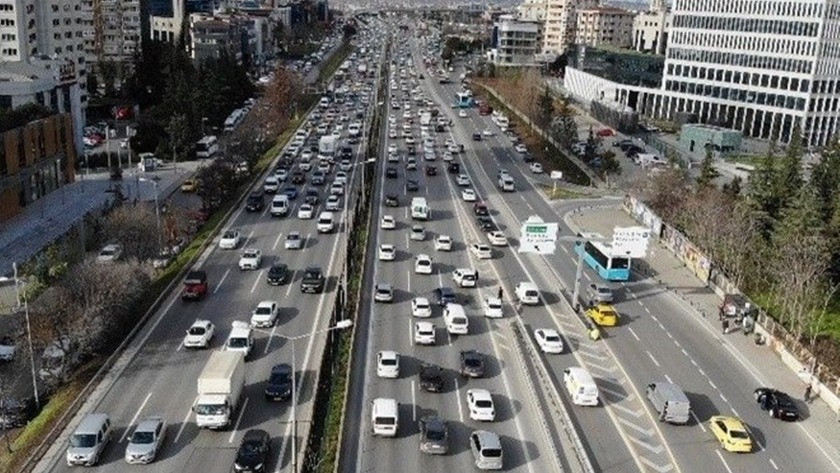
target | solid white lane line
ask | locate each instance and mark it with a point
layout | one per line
(256, 281)
(185, 421)
(652, 358)
(279, 235)
(136, 415)
(238, 420)
(224, 276)
(458, 400)
(413, 402)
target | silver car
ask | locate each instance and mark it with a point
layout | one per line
(146, 441)
(600, 294)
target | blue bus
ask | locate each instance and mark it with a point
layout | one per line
(464, 100)
(598, 256)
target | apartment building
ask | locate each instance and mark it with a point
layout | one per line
(561, 23)
(533, 10)
(650, 31)
(168, 28)
(112, 30)
(604, 26)
(515, 41)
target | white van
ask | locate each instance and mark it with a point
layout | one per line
(670, 402)
(581, 386)
(420, 209)
(326, 222)
(527, 293)
(241, 338)
(280, 205)
(385, 417)
(89, 440)
(456, 319)
(206, 147)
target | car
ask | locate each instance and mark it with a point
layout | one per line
(497, 238)
(468, 195)
(443, 243)
(254, 452)
(548, 340)
(146, 441)
(423, 264)
(200, 333)
(481, 251)
(311, 197)
(255, 201)
(388, 364)
(604, 132)
(434, 435)
(281, 174)
(486, 224)
(536, 168)
(480, 209)
(305, 212)
(411, 185)
(493, 308)
(293, 241)
(250, 259)
(298, 177)
(291, 193)
(420, 307)
(410, 164)
(462, 113)
(383, 292)
(476, 136)
(424, 333)
(431, 377)
(278, 386)
(333, 203)
(109, 253)
(392, 200)
(265, 315)
(392, 149)
(444, 295)
(600, 294)
(465, 277)
(391, 173)
(731, 433)
(487, 132)
(778, 404)
(313, 280)
(520, 148)
(448, 157)
(462, 180)
(189, 185)
(431, 170)
(271, 184)
(387, 252)
(278, 273)
(472, 364)
(480, 404)
(603, 314)
(8, 349)
(318, 178)
(387, 222)
(418, 233)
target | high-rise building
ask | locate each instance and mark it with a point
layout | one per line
(515, 41)
(561, 23)
(168, 28)
(604, 26)
(651, 28)
(112, 30)
(533, 10)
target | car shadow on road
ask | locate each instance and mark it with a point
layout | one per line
(515, 451)
(506, 408)
(611, 392)
(702, 407)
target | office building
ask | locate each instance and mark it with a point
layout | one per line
(515, 41)
(650, 31)
(168, 28)
(561, 23)
(603, 26)
(113, 30)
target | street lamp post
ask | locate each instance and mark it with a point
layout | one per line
(154, 182)
(21, 295)
(340, 325)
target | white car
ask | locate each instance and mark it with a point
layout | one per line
(443, 243)
(281, 174)
(465, 277)
(487, 132)
(520, 148)
(333, 203)
(424, 333)
(423, 264)
(548, 340)
(387, 223)
(462, 113)
(411, 163)
(387, 252)
(418, 233)
(480, 404)
(469, 195)
(388, 364)
(392, 149)
(109, 253)
(265, 315)
(383, 293)
(305, 212)
(447, 157)
(393, 158)
(293, 241)
(536, 168)
(199, 334)
(344, 165)
(497, 238)
(341, 178)
(462, 180)
(230, 240)
(421, 307)
(493, 308)
(481, 251)
(250, 259)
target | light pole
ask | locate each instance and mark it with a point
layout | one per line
(340, 325)
(154, 182)
(21, 295)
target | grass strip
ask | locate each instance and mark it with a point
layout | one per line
(334, 62)
(559, 192)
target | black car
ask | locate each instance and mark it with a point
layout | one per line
(318, 178)
(279, 384)
(346, 153)
(444, 295)
(439, 128)
(454, 168)
(392, 200)
(472, 364)
(311, 197)
(298, 177)
(431, 378)
(277, 274)
(486, 224)
(777, 403)
(476, 136)
(391, 173)
(253, 451)
(255, 202)
(527, 158)
(434, 435)
(431, 170)
(313, 280)
(411, 150)
(411, 185)
(480, 209)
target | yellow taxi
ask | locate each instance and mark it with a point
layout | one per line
(190, 185)
(731, 433)
(603, 315)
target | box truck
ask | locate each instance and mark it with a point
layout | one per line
(220, 386)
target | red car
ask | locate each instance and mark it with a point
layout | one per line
(605, 132)
(195, 286)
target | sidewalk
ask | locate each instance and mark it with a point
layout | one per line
(52, 216)
(670, 272)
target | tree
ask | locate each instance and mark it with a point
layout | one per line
(136, 229)
(762, 193)
(789, 174)
(665, 192)
(278, 35)
(545, 110)
(708, 173)
(218, 182)
(733, 188)
(179, 136)
(282, 95)
(108, 72)
(593, 142)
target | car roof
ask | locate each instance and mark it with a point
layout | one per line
(424, 325)
(254, 434)
(388, 354)
(149, 424)
(201, 322)
(281, 368)
(266, 303)
(488, 439)
(481, 394)
(731, 423)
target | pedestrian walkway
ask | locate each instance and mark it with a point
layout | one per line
(667, 270)
(47, 219)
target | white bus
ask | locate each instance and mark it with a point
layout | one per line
(234, 119)
(207, 147)
(420, 209)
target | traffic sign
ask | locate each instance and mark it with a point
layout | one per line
(630, 241)
(538, 237)
(557, 175)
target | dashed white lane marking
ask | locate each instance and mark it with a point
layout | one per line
(773, 464)
(224, 276)
(458, 400)
(725, 465)
(136, 415)
(184, 422)
(238, 420)
(634, 334)
(652, 359)
(413, 402)
(256, 281)
(668, 378)
(277, 241)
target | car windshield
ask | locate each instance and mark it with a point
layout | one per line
(492, 452)
(738, 434)
(143, 437)
(389, 362)
(229, 235)
(385, 420)
(472, 362)
(292, 237)
(106, 252)
(435, 434)
(263, 310)
(275, 271)
(484, 404)
(459, 320)
(197, 331)
(552, 338)
(237, 342)
(279, 378)
(83, 440)
(250, 448)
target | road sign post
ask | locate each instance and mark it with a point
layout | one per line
(538, 237)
